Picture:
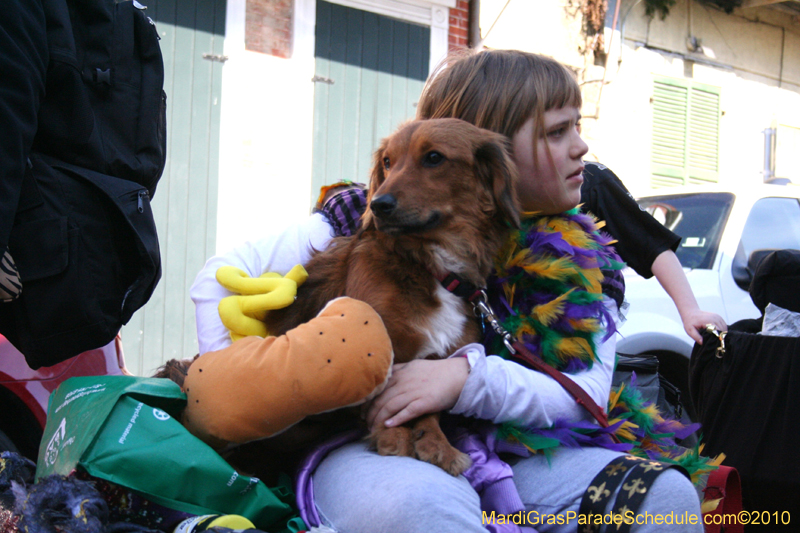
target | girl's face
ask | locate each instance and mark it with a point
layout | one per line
(554, 185)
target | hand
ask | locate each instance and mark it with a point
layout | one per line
(697, 320)
(10, 285)
(420, 387)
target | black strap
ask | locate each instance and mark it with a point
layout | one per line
(459, 286)
(636, 476)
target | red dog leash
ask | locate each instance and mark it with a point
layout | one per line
(477, 297)
(523, 356)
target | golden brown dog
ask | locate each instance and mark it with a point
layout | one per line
(441, 200)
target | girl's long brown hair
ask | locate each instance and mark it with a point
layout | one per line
(498, 90)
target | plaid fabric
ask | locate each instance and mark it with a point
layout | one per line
(344, 209)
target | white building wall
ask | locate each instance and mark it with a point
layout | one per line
(752, 55)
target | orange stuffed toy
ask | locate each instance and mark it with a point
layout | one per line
(258, 387)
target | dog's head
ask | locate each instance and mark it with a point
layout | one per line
(435, 175)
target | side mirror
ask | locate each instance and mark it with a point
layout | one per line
(742, 270)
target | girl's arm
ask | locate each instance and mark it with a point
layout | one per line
(669, 273)
(277, 253)
(489, 387)
(504, 391)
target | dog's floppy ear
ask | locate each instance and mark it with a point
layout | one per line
(499, 172)
(376, 179)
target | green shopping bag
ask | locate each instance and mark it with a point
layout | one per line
(123, 430)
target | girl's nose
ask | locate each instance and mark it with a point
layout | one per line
(579, 148)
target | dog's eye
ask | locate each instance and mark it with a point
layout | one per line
(432, 159)
(386, 163)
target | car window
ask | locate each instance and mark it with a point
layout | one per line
(773, 223)
(698, 218)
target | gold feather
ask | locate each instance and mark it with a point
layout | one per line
(550, 312)
(560, 269)
(570, 347)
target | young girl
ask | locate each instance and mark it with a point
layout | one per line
(536, 102)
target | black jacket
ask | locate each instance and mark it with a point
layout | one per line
(23, 62)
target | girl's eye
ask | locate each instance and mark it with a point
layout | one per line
(386, 163)
(432, 159)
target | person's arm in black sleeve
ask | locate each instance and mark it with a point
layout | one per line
(23, 64)
(644, 244)
(641, 238)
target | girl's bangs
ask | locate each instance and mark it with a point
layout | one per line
(560, 89)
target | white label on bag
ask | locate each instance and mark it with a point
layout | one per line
(131, 423)
(51, 453)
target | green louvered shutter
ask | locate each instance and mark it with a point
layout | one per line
(685, 134)
(370, 70)
(703, 139)
(668, 152)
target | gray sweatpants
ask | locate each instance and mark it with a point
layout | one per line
(359, 491)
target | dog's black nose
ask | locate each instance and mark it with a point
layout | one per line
(383, 205)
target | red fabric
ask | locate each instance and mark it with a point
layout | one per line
(724, 483)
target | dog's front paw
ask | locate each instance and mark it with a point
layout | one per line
(436, 450)
(392, 441)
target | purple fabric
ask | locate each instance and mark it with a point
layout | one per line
(344, 209)
(489, 475)
(492, 478)
(304, 484)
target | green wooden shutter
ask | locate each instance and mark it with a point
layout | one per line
(668, 152)
(685, 133)
(703, 139)
(369, 73)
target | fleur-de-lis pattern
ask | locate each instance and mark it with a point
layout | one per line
(630, 477)
(637, 485)
(653, 465)
(615, 468)
(600, 493)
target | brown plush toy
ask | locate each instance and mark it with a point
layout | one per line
(258, 387)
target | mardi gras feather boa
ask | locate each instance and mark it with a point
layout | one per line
(639, 425)
(547, 288)
(547, 292)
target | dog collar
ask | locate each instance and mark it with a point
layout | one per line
(459, 286)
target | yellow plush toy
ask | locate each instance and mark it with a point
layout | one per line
(258, 387)
(243, 313)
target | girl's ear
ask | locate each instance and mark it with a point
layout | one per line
(499, 172)
(377, 177)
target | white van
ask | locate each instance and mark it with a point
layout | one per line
(725, 233)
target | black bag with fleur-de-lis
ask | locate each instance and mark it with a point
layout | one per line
(633, 476)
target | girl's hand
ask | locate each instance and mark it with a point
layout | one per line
(420, 387)
(697, 320)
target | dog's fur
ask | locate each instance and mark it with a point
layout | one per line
(442, 198)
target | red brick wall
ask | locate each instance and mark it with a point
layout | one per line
(268, 27)
(458, 36)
